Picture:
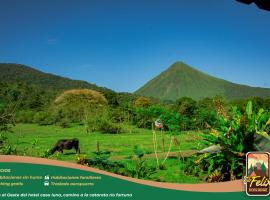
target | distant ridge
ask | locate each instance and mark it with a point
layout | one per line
(10, 72)
(181, 80)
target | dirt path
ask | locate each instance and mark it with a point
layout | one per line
(184, 154)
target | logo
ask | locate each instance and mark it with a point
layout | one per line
(257, 174)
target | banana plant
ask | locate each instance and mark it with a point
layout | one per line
(234, 137)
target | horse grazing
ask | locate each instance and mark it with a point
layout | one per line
(66, 144)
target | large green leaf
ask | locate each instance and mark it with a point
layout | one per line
(249, 109)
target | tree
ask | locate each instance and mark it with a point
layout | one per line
(143, 102)
(185, 106)
(172, 120)
(145, 116)
(77, 105)
(7, 112)
(6, 121)
(205, 115)
(111, 98)
(264, 169)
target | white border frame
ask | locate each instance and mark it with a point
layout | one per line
(257, 152)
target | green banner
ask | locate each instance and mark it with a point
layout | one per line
(34, 181)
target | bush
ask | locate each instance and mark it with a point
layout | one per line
(5, 146)
(76, 105)
(25, 116)
(43, 118)
(136, 167)
(145, 116)
(102, 121)
(109, 127)
(64, 123)
(101, 161)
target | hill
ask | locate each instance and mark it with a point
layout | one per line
(181, 80)
(10, 73)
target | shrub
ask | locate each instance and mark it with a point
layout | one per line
(109, 127)
(136, 167)
(43, 118)
(5, 147)
(77, 105)
(25, 116)
(145, 116)
(64, 123)
(102, 121)
(101, 161)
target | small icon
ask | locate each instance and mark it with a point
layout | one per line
(47, 177)
(46, 183)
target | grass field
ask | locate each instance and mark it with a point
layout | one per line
(34, 140)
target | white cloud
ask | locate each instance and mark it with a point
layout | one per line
(51, 41)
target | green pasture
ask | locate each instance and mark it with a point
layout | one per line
(34, 140)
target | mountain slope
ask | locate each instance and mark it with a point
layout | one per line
(181, 80)
(10, 72)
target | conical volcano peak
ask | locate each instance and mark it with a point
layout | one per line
(181, 67)
(182, 80)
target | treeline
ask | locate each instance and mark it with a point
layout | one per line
(36, 104)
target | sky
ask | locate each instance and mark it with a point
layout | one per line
(122, 44)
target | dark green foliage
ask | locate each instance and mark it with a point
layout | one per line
(5, 147)
(44, 118)
(258, 103)
(25, 116)
(6, 121)
(235, 136)
(112, 98)
(101, 161)
(64, 122)
(185, 106)
(134, 167)
(119, 115)
(145, 116)
(7, 116)
(205, 117)
(172, 120)
(8, 149)
(26, 97)
(126, 99)
(138, 167)
(181, 80)
(46, 154)
(103, 121)
(106, 126)
(192, 169)
(11, 72)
